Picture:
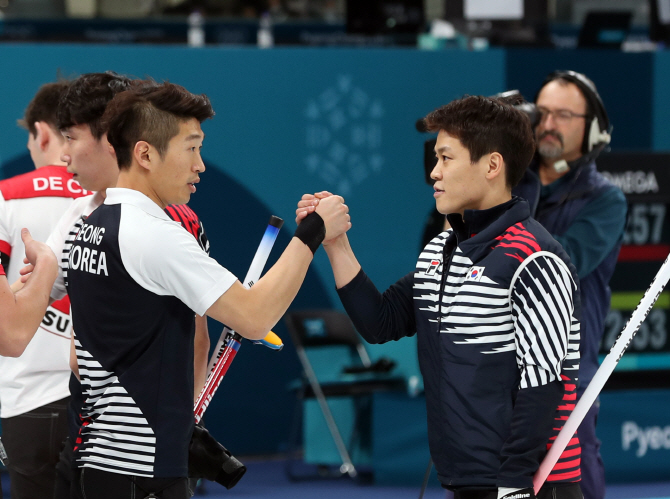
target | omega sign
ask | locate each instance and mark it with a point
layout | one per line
(642, 176)
(634, 182)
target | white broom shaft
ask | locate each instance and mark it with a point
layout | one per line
(253, 274)
(603, 374)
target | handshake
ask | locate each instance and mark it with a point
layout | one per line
(330, 208)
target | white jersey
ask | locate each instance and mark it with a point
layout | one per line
(135, 278)
(36, 200)
(63, 234)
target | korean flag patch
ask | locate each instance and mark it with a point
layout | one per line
(432, 268)
(475, 274)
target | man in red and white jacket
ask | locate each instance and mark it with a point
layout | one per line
(34, 385)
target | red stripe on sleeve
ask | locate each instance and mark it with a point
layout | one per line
(520, 230)
(515, 256)
(521, 246)
(5, 248)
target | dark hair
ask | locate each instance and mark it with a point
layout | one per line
(151, 112)
(44, 106)
(485, 125)
(86, 99)
(564, 82)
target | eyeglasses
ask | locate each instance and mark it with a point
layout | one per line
(560, 115)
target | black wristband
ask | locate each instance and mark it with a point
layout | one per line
(311, 231)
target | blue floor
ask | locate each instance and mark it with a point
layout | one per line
(266, 479)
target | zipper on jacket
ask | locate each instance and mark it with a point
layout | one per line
(447, 254)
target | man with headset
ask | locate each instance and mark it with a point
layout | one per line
(586, 214)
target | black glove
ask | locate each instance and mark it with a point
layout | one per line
(528, 493)
(208, 459)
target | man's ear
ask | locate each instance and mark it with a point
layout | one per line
(142, 153)
(42, 136)
(496, 165)
(105, 143)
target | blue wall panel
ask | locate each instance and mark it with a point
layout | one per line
(661, 97)
(634, 427)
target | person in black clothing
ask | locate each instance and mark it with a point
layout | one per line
(495, 304)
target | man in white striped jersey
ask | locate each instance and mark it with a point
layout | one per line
(494, 302)
(135, 278)
(92, 160)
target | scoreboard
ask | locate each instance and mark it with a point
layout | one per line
(645, 180)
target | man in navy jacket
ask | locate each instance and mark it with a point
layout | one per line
(494, 302)
(586, 214)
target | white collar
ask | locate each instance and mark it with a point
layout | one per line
(119, 195)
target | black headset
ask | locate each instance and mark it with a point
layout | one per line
(597, 133)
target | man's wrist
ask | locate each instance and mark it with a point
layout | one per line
(44, 256)
(311, 231)
(337, 243)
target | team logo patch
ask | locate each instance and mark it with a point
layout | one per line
(475, 274)
(432, 268)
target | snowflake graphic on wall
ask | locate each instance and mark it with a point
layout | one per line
(344, 136)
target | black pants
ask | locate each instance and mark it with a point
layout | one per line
(68, 476)
(559, 491)
(33, 441)
(98, 484)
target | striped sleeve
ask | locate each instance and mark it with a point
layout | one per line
(542, 309)
(190, 221)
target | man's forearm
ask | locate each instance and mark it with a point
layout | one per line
(253, 312)
(379, 317)
(23, 311)
(342, 260)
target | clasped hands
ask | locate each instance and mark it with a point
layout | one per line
(331, 208)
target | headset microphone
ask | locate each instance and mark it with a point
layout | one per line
(561, 166)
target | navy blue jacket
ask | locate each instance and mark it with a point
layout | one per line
(498, 344)
(587, 215)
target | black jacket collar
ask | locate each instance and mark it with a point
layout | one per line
(483, 222)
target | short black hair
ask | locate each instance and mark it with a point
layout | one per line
(152, 112)
(488, 124)
(86, 99)
(44, 106)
